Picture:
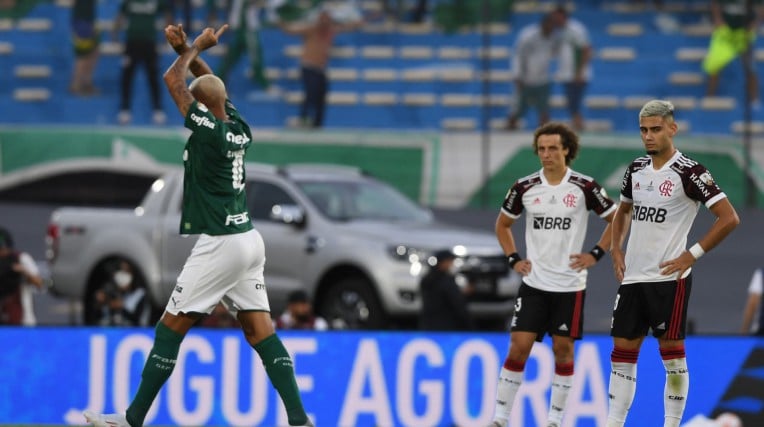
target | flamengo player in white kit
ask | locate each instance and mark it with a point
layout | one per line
(660, 196)
(557, 201)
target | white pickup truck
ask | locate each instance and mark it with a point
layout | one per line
(356, 244)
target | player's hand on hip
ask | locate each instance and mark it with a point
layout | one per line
(209, 37)
(678, 265)
(579, 262)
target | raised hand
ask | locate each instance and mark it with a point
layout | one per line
(209, 37)
(176, 37)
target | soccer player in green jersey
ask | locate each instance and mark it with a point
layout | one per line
(228, 259)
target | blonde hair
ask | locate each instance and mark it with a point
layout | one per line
(658, 108)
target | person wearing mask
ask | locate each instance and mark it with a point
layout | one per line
(122, 302)
(299, 314)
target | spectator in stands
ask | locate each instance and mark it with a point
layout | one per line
(753, 314)
(318, 38)
(18, 272)
(735, 23)
(244, 20)
(444, 304)
(420, 11)
(299, 314)
(140, 48)
(535, 48)
(574, 69)
(185, 9)
(85, 39)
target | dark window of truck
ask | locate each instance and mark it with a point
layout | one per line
(262, 196)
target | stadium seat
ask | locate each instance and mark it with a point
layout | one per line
(380, 98)
(625, 29)
(6, 48)
(32, 71)
(31, 94)
(716, 103)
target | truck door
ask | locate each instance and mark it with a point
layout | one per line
(285, 244)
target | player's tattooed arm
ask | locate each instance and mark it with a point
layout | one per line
(175, 79)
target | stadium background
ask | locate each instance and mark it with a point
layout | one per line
(408, 101)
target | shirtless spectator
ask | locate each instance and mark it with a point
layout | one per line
(318, 38)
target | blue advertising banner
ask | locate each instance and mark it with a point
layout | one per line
(51, 375)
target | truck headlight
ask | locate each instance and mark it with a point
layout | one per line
(408, 254)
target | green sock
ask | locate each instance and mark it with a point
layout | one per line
(156, 371)
(278, 366)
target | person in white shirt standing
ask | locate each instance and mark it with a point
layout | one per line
(536, 47)
(660, 196)
(574, 67)
(557, 201)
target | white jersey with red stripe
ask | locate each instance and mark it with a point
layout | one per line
(555, 225)
(665, 204)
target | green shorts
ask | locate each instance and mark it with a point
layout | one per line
(726, 45)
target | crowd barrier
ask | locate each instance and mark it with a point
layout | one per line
(419, 379)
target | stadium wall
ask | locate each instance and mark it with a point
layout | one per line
(353, 378)
(443, 170)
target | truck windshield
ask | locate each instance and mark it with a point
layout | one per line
(360, 200)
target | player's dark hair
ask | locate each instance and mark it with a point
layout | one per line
(568, 138)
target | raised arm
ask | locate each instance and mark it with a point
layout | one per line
(177, 39)
(175, 76)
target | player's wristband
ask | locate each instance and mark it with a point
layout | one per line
(696, 250)
(597, 252)
(513, 259)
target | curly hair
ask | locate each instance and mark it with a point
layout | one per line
(568, 138)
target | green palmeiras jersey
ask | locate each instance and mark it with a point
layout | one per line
(214, 198)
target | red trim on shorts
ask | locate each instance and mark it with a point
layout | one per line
(575, 327)
(514, 366)
(624, 356)
(672, 353)
(676, 313)
(564, 369)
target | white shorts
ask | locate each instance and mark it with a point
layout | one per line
(226, 268)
